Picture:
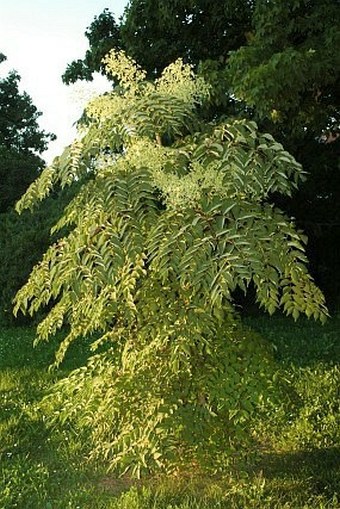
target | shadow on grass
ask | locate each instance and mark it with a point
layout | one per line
(317, 472)
(301, 344)
(41, 467)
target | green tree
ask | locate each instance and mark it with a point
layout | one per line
(288, 75)
(173, 214)
(155, 33)
(21, 140)
(103, 34)
(22, 240)
(289, 72)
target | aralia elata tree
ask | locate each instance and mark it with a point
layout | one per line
(172, 215)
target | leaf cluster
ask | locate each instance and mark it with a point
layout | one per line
(272, 61)
(289, 69)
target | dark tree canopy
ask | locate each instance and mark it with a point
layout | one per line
(19, 128)
(192, 30)
(289, 70)
(21, 140)
(103, 34)
(22, 240)
(156, 33)
(289, 76)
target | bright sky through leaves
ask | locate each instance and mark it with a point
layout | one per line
(39, 38)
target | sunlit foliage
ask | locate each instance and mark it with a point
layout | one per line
(171, 217)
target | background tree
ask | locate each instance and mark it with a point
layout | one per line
(172, 215)
(103, 34)
(289, 76)
(22, 240)
(155, 33)
(21, 141)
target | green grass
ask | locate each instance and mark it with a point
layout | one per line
(301, 343)
(296, 466)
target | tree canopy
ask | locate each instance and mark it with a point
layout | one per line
(288, 75)
(289, 72)
(155, 33)
(22, 240)
(103, 34)
(21, 140)
(172, 215)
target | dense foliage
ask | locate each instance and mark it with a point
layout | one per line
(22, 240)
(283, 71)
(103, 34)
(155, 33)
(21, 140)
(173, 214)
(289, 76)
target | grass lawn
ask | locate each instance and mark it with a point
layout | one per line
(297, 465)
